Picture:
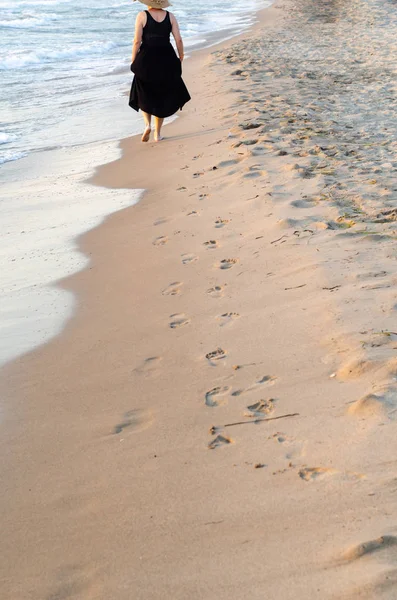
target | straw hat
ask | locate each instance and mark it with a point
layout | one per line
(156, 3)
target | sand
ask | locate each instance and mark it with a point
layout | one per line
(218, 418)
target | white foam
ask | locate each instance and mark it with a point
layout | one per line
(5, 138)
(41, 218)
(16, 4)
(28, 22)
(17, 59)
(11, 156)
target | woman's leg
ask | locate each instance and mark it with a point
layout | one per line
(148, 120)
(157, 128)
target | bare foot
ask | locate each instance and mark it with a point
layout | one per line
(146, 135)
(157, 137)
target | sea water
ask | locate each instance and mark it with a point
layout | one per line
(64, 68)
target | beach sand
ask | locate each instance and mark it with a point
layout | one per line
(254, 280)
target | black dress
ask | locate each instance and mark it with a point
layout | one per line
(157, 88)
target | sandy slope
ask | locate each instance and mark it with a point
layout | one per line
(226, 296)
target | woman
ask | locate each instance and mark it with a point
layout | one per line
(158, 88)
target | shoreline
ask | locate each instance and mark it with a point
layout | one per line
(40, 243)
(137, 461)
(46, 293)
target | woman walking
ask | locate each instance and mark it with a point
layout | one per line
(157, 88)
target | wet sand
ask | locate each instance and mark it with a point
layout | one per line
(218, 419)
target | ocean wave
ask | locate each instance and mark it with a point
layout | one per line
(119, 69)
(117, 5)
(6, 138)
(18, 60)
(27, 22)
(15, 4)
(11, 156)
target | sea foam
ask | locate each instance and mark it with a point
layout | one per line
(28, 22)
(41, 219)
(18, 59)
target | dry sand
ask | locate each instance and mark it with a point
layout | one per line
(255, 279)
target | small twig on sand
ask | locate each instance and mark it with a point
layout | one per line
(278, 239)
(296, 287)
(261, 420)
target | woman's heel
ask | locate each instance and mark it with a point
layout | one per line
(146, 135)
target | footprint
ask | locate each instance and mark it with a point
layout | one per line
(188, 258)
(315, 473)
(211, 244)
(296, 448)
(178, 320)
(253, 173)
(173, 289)
(198, 174)
(282, 438)
(371, 275)
(227, 318)
(220, 440)
(216, 291)
(193, 213)
(249, 142)
(259, 150)
(221, 222)
(228, 163)
(376, 286)
(149, 366)
(136, 419)
(266, 379)
(216, 355)
(228, 263)
(250, 125)
(211, 397)
(302, 203)
(260, 408)
(160, 241)
(161, 221)
(370, 547)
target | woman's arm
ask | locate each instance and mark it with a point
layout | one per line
(177, 36)
(140, 22)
